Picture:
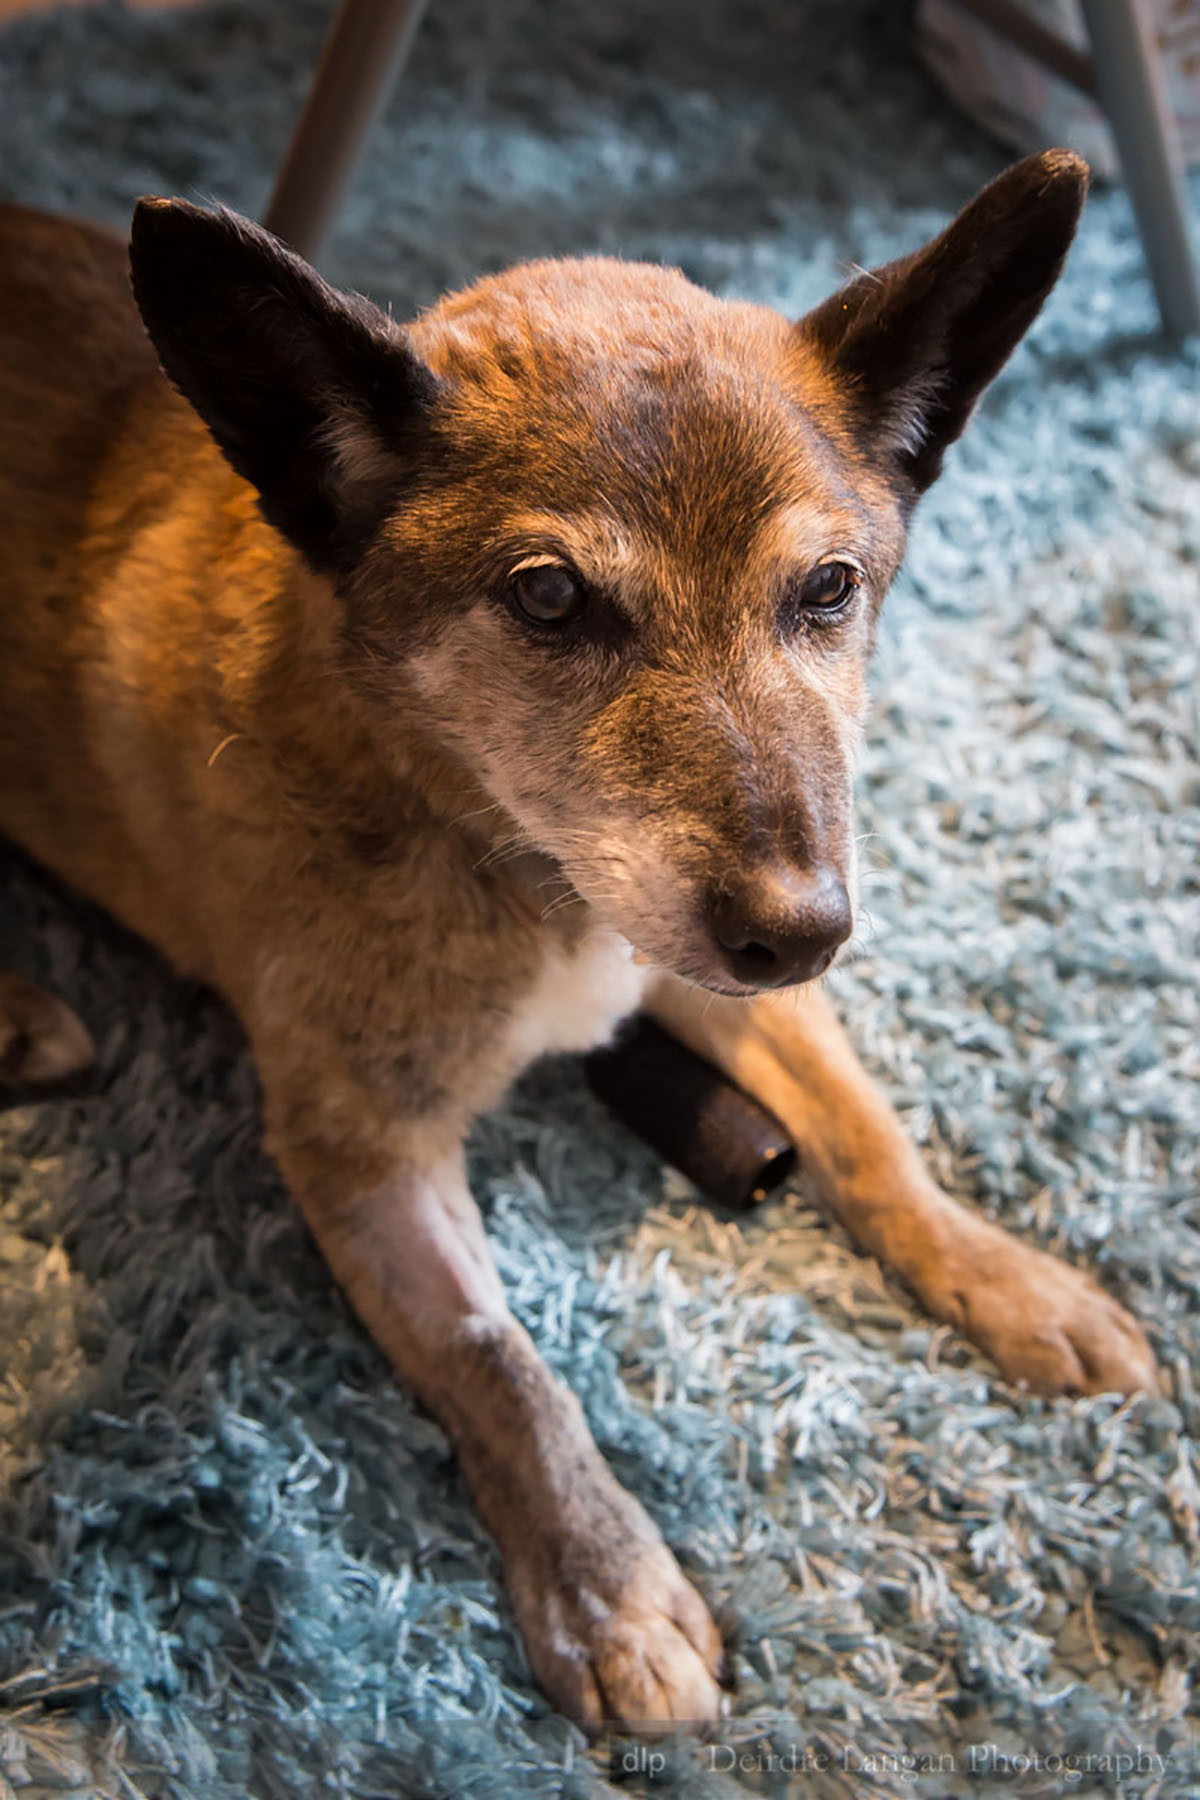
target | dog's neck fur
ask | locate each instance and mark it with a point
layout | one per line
(370, 796)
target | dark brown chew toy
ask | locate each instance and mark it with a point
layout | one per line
(698, 1121)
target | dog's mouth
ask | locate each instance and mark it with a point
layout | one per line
(735, 931)
(713, 982)
(717, 980)
(776, 933)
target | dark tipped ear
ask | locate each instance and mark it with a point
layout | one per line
(314, 396)
(914, 343)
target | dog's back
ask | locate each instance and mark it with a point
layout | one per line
(73, 358)
(114, 506)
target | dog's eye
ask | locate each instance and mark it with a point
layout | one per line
(826, 587)
(548, 594)
(821, 597)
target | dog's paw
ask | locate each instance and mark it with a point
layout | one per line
(41, 1040)
(1042, 1321)
(615, 1633)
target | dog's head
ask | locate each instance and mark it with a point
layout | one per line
(623, 543)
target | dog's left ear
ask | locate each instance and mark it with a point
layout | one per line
(912, 345)
(314, 396)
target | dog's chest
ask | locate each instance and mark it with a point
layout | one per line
(580, 994)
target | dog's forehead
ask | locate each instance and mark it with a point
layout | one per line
(605, 386)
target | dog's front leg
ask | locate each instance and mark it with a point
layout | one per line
(1042, 1321)
(614, 1631)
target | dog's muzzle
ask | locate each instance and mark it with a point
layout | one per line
(779, 924)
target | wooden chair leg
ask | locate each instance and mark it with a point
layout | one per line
(364, 53)
(1130, 87)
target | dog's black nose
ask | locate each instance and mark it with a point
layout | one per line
(780, 924)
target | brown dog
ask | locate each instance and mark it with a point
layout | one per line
(444, 692)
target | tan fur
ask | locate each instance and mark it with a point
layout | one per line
(1044, 1322)
(415, 847)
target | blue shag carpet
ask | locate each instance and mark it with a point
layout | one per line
(235, 1561)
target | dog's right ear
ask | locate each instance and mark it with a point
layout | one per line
(315, 397)
(912, 345)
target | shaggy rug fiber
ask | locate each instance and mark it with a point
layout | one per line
(235, 1560)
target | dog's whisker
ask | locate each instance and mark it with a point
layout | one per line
(477, 812)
